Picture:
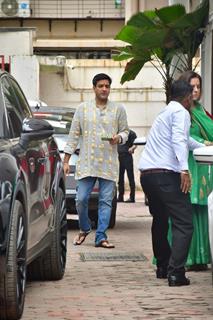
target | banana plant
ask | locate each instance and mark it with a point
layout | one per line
(157, 36)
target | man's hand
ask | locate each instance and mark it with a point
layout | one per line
(66, 168)
(66, 163)
(132, 149)
(208, 143)
(185, 184)
(115, 139)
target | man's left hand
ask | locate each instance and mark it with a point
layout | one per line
(185, 184)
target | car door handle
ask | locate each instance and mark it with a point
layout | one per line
(32, 165)
(42, 160)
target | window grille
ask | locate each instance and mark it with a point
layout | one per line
(77, 9)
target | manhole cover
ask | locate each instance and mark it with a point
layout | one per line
(112, 256)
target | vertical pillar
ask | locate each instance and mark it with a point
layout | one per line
(131, 7)
(142, 5)
(207, 68)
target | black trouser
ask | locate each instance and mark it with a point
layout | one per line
(166, 200)
(126, 163)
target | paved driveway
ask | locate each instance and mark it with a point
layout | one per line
(112, 288)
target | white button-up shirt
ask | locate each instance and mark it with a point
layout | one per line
(168, 142)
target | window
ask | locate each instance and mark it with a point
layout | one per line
(16, 106)
(22, 102)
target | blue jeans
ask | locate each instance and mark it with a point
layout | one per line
(106, 193)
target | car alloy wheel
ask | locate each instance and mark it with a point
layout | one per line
(14, 282)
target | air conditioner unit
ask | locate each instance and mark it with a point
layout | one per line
(15, 8)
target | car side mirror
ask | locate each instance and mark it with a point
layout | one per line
(35, 129)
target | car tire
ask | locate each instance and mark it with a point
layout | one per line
(13, 284)
(51, 265)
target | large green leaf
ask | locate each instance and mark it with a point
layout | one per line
(150, 14)
(128, 34)
(189, 29)
(132, 69)
(190, 47)
(171, 13)
(122, 56)
(132, 52)
(165, 55)
(193, 20)
(142, 21)
(144, 55)
(160, 35)
(125, 54)
(151, 39)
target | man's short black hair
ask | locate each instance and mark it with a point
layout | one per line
(101, 76)
(180, 89)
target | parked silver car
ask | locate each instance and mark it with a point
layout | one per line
(61, 119)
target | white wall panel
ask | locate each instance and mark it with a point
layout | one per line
(25, 69)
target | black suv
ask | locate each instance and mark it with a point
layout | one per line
(33, 225)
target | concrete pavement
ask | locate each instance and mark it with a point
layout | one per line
(118, 289)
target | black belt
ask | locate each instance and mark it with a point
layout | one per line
(148, 171)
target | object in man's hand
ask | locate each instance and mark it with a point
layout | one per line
(106, 138)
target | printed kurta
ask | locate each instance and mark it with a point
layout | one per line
(98, 158)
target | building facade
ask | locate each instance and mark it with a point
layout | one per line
(72, 40)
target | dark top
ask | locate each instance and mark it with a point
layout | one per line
(123, 148)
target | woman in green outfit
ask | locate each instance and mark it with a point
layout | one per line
(202, 178)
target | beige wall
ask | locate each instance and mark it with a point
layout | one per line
(74, 29)
(134, 6)
(66, 29)
(17, 42)
(76, 8)
(150, 5)
(25, 68)
(207, 64)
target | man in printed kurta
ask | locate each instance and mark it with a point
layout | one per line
(97, 127)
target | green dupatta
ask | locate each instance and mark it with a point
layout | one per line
(204, 122)
(202, 175)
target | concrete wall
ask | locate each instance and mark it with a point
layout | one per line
(16, 41)
(25, 69)
(17, 49)
(207, 64)
(134, 6)
(76, 8)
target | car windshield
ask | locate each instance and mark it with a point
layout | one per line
(60, 123)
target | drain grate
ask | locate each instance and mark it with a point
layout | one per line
(112, 256)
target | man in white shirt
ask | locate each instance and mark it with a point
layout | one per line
(166, 182)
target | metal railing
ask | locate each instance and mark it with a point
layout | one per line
(77, 9)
